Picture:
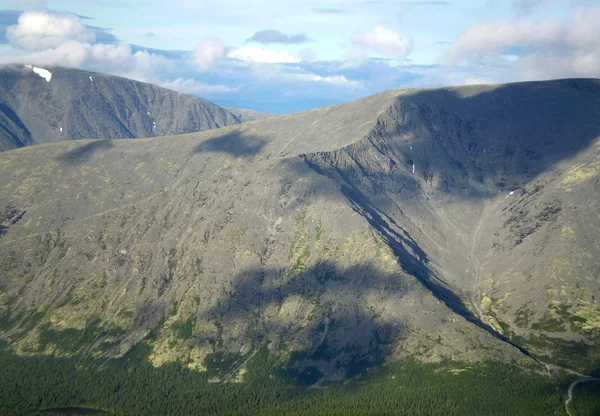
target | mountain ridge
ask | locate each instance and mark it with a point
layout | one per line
(72, 104)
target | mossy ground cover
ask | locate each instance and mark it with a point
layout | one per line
(130, 386)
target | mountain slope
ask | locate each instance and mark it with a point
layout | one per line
(76, 104)
(248, 115)
(454, 223)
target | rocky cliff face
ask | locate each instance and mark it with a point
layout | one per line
(69, 104)
(454, 223)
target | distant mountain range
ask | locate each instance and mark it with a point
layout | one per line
(51, 104)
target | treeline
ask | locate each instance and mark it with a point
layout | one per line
(131, 386)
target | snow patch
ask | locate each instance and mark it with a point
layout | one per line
(91, 79)
(413, 168)
(511, 192)
(148, 112)
(411, 148)
(44, 73)
(61, 129)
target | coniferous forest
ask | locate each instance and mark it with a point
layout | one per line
(131, 386)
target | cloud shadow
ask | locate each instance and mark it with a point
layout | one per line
(84, 153)
(234, 143)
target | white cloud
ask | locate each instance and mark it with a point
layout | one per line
(43, 29)
(548, 48)
(259, 54)
(330, 79)
(115, 59)
(192, 86)
(47, 37)
(380, 41)
(208, 51)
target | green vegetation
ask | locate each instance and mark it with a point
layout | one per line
(183, 330)
(130, 385)
(300, 264)
(586, 400)
(570, 354)
(21, 322)
(72, 340)
(550, 323)
(220, 363)
(524, 315)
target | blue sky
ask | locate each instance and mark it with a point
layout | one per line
(284, 56)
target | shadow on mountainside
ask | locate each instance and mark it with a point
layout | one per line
(234, 143)
(479, 141)
(321, 312)
(83, 153)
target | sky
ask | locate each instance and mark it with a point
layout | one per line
(284, 56)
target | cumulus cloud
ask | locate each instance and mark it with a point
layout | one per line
(275, 36)
(43, 29)
(118, 59)
(208, 51)
(259, 54)
(47, 37)
(539, 49)
(380, 41)
(192, 86)
(329, 79)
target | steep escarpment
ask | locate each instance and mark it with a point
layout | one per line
(69, 104)
(398, 225)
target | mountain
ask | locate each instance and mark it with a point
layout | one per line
(437, 224)
(39, 105)
(248, 115)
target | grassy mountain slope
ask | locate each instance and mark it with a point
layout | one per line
(343, 236)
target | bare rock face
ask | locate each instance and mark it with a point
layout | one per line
(456, 223)
(40, 105)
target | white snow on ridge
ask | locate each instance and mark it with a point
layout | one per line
(91, 79)
(413, 168)
(44, 73)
